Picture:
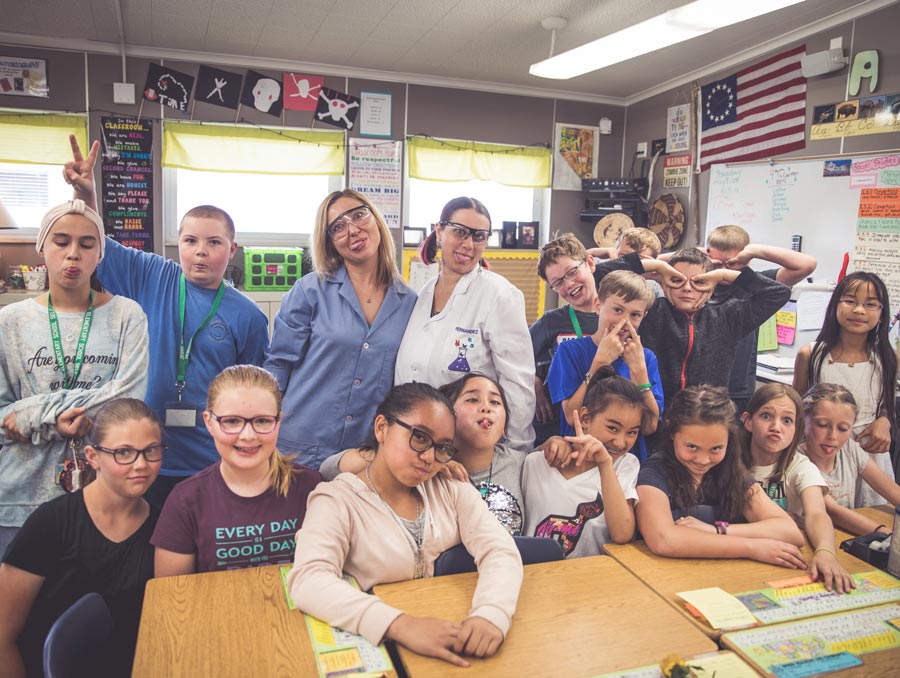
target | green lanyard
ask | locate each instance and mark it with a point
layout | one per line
(184, 352)
(575, 323)
(79, 349)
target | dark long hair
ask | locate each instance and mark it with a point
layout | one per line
(607, 386)
(429, 248)
(454, 389)
(876, 340)
(401, 400)
(705, 405)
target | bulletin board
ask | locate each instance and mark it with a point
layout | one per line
(819, 199)
(517, 266)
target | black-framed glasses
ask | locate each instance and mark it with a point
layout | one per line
(461, 232)
(568, 275)
(341, 223)
(129, 455)
(421, 442)
(233, 424)
(851, 303)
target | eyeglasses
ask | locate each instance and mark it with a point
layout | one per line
(233, 424)
(128, 455)
(356, 216)
(873, 306)
(461, 232)
(568, 275)
(422, 442)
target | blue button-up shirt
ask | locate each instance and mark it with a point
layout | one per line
(332, 366)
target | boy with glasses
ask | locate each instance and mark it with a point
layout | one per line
(567, 269)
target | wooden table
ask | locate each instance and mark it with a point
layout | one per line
(668, 576)
(222, 624)
(579, 617)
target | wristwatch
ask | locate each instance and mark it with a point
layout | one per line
(721, 527)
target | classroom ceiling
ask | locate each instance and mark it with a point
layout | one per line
(483, 42)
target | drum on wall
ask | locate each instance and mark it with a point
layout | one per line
(610, 227)
(666, 220)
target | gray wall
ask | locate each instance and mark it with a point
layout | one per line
(647, 119)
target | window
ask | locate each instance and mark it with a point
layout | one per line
(266, 208)
(28, 191)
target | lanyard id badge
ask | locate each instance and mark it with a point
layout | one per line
(180, 414)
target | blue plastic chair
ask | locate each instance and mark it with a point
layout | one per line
(456, 560)
(76, 637)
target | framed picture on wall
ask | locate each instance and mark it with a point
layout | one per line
(495, 240)
(413, 237)
(575, 155)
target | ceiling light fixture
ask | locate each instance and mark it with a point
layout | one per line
(676, 25)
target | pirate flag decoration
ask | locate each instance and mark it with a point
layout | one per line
(301, 92)
(218, 87)
(169, 87)
(337, 109)
(262, 93)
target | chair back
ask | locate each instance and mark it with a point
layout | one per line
(76, 638)
(456, 559)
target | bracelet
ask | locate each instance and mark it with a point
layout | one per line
(879, 527)
(721, 527)
(826, 549)
(644, 387)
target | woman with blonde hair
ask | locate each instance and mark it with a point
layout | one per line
(243, 510)
(338, 330)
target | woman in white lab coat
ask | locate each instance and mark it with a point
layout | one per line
(469, 319)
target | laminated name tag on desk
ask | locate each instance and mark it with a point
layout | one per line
(720, 609)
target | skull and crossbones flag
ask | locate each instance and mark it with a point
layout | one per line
(337, 109)
(301, 92)
(221, 88)
(168, 87)
(262, 93)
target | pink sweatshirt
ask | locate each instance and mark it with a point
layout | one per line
(347, 529)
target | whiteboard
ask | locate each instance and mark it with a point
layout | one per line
(776, 200)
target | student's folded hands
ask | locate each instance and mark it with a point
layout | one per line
(427, 636)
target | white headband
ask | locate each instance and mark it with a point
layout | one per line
(71, 207)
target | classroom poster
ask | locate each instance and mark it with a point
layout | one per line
(375, 114)
(218, 87)
(856, 117)
(877, 247)
(24, 77)
(301, 92)
(126, 177)
(376, 172)
(678, 128)
(575, 155)
(677, 171)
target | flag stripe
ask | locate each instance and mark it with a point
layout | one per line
(769, 115)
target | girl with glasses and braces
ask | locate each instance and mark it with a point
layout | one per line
(242, 511)
(92, 540)
(853, 350)
(337, 332)
(390, 521)
(469, 319)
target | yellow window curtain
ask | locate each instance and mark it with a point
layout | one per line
(439, 160)
(40, 139)
(221, 148)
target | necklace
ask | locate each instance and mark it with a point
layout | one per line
(870, 360)
(415, 540)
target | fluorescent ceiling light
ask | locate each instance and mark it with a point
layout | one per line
(676, 25)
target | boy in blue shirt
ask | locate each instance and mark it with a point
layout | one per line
(197, 324)
(623, 300)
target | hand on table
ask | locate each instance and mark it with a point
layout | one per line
(427, 636)
(478, 638)
(825, 566)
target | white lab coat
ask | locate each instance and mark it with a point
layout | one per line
(483, 329)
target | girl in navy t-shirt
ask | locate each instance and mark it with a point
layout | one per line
(244, 510)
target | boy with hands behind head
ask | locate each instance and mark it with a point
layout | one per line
(695, 341)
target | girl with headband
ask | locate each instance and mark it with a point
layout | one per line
(64, 353)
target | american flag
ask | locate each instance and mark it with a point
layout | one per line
(759, 112)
